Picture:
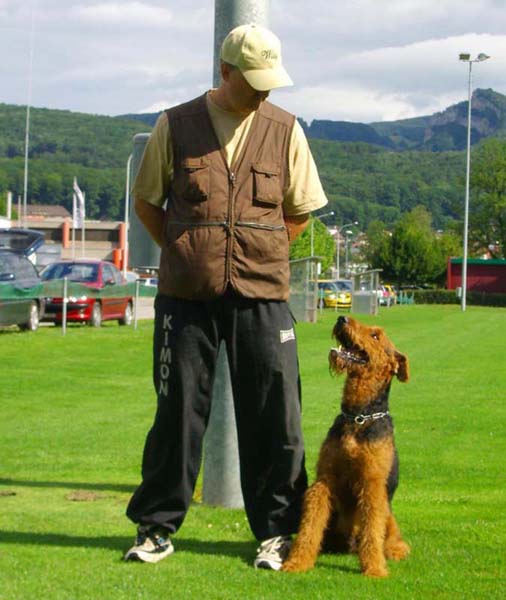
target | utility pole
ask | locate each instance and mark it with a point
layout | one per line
(221, 482)
(464, 57)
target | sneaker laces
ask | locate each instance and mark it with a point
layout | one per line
(157, 535)
(274, 547)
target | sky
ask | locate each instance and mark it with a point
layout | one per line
(351, 60)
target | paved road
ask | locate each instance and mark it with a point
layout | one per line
(145, 309)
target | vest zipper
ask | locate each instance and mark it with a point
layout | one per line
(254, 225)
(200, 223)
(230, 241)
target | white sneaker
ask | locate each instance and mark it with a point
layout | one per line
(152, 544)
(273, 552)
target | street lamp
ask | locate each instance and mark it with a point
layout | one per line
(339, 229)
(328, 214)
(347, 239)
(467, 58)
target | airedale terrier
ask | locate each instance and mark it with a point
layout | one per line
(348, 508)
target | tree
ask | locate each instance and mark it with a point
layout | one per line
(413, 252)
(487, 212)
(323, 244)
(377, 251)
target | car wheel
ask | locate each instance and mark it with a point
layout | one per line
(96, 315)
(33, 320)
(127, 317)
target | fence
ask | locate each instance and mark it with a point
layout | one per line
(303, 291)
(304, 288)
(65, 289)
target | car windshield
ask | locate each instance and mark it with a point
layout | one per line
(327, 286)
(84, 272)
(343, 286)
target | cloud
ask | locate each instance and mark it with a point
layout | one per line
(362, 60)
(124, 13)
(351, 103)
(432, 66)
(395, 82)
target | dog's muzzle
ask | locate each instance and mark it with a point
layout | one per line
(347, 355)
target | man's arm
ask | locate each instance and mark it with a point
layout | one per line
(296, 225)
(152, 217)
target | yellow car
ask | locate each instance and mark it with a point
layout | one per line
(334, 293)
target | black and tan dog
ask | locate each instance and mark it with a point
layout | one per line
(348, 508)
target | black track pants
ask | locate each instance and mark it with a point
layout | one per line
(262, 355)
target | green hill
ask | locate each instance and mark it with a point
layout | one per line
(64, 145)
(446, 130)
(365, 182)
(365, 176)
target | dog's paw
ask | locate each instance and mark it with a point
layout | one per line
(294, 566)
(376, 571)
(397, 551)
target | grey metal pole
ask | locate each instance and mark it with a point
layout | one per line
(27, 126)
(142, 249)
(221, 478)
(127, 213)
(466, 205)
(465, 57)
(64, 306)
(339, 229)
(337, 251)
(232, 13)
(346, 255)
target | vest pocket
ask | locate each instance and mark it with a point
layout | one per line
(193, 180)
(267, 184)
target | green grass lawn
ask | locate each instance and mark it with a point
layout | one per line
(75, 411)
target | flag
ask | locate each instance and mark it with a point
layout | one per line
(78, 206)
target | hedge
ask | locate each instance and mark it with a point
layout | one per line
(450, 297)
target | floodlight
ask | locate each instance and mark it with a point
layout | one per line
(481, 57)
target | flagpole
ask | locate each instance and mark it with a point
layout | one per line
(73, 226)
(83, 228)
(27, 124)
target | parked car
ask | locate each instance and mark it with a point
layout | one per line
(392, 292)
(96, 275)
(384, 297)
(149, 281)
(334, 293)
(21, 298)
(131, 276)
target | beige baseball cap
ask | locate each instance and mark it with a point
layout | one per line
(256, 52)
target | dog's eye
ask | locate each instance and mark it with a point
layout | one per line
(375, 336)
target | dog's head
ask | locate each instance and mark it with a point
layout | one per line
(367, 352)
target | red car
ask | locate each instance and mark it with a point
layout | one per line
(93, 309)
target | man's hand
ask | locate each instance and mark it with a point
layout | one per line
(296, 225)
(152, 217)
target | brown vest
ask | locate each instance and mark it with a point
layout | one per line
(225, 227)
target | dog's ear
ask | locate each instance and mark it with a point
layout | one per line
(402, 371)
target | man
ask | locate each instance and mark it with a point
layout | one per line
(239, 182)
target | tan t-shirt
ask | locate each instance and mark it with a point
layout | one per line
(152, 183)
